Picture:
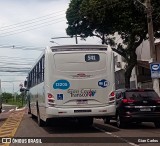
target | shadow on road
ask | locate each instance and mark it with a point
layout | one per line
(2, 119)
(63, 126)
(135, 126)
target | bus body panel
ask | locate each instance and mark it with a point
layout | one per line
(84, 85)
(79, 87)
(37, 95)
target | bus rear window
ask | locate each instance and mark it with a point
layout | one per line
(80, 61)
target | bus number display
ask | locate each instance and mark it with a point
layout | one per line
(92, 57)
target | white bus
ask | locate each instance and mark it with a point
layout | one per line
(73, 81)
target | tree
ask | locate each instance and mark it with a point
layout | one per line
(103, 18)
(6, 96)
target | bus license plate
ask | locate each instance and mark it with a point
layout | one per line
(145, 109)
(82, 101)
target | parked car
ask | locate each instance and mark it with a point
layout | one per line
(136, 105)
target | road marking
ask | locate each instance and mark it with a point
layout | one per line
(11, 110)
(109, 133)
(113, 135)
(9, 128)
(7, 105)
(20, 109)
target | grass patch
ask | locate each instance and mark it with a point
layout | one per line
(18, 103)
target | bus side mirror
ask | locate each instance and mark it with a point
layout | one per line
(22, 90)
(25, 83)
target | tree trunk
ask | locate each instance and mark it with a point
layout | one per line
(128, 74)
(131, 64)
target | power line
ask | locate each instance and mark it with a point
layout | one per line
(13, 75)
(30, 26)
(34, 49)
(13, 71)
(31, 19)
(13, 81)
(17, 46)
(31, 29)
(16, 62)
(16, 58)
(22, 25)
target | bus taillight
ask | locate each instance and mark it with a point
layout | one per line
(112, 97)
(50, 95)
(50, 98)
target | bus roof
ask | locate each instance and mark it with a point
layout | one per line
(78, 47)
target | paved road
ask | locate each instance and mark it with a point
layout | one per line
(7, 108)
(70, 131)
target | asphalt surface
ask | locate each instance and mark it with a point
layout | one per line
(70, 133)
(6, 110)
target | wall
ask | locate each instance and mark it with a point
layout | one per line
(158, 52)
(143, 51)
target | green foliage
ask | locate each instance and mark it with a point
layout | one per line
(103, 18)
(6, 96)
(17, 100)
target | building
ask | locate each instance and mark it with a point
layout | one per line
(141, 75)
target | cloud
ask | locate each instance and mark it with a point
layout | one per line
(17, 11)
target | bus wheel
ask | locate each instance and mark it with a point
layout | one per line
(106, 120)
(39, 121)
(33, 116)
(29, 108)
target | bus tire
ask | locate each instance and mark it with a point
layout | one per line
(29, 108)
(39, 121)
(33, 116)
(106, 120)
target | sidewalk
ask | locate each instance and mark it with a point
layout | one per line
(7, 105)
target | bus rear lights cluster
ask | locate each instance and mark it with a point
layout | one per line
(112, 97)
(50, 98)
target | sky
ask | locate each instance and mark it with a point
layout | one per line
(26, 28)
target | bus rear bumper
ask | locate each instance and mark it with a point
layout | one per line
(81, 112)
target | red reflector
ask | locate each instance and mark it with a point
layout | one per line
(158, 101)
(112, 94)
(127, 100)
(112, 98)
(50, 100)
(50, 95)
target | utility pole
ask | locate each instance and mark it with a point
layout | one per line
(150, 31)
(152, 44)
(76, 39)
(0, 98)
(0, 86)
